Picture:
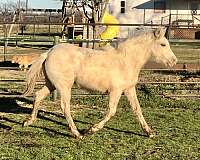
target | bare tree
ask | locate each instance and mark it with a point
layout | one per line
(93, 11)
(11, 7)
(97, 9)
(10, 12)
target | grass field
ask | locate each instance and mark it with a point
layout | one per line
(176, 123)
(187, 54)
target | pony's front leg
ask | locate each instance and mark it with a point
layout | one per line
(114, 97)
(39, 96)
(132, 97)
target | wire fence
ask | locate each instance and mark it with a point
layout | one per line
(185, 73)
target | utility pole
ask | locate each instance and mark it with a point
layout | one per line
(26, 5)
(19, 4)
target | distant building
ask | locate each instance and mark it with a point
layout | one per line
(174, 12)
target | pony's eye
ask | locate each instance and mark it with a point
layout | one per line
(163, 45)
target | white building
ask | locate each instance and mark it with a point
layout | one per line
(176, 12)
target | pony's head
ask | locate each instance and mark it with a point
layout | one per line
(161, 49)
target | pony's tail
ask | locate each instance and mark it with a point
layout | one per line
(34, 73)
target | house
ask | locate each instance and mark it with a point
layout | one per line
(166, 12)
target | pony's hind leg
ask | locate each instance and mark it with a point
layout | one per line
(39, 96)
(65, 94)
(114, 97)
(132, 97)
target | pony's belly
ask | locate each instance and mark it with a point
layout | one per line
(93, 84)
(104, 85)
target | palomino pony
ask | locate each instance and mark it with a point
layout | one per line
(113, 70)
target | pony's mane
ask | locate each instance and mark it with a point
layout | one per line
(140, 36)
(136, 39)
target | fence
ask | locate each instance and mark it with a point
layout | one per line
(184, 68)
(183, 26)
(161, 87)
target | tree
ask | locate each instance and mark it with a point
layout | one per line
(11, 7)
(92, 9)
(10, 11)
(96, 7)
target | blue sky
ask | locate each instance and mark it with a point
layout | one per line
(44, 4)
(39, 3)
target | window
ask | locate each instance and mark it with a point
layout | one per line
(123, 6)
(159, 6)
(110, 8)
(194, 6)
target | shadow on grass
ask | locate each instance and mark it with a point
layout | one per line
(84, 122)
(9, 105)
(5, 127)
(50, 132)
(87, 123)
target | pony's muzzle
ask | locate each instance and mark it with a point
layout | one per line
(172, 61)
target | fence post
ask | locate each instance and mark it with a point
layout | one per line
(55, 93)
(5, 41)
(169, 27)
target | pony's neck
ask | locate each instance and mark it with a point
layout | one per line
(137, 50)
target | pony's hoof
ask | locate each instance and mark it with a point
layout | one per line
(24, 124)
(76, 134)
(151, 134)
(90, 131)
(27, 123)
(80, 137)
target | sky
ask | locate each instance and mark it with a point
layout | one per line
(50, 4)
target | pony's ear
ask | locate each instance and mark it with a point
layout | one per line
(159, 32)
